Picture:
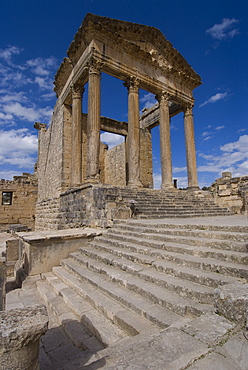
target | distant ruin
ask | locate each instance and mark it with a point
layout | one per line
(18, 199)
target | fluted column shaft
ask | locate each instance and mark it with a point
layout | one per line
(93, 122)
(76, 148)
(133, 140)
(165, 141)
(190, 148)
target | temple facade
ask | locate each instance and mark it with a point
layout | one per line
(70, 152)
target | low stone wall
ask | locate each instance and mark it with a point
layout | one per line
(41, 251)
(88, 205)
(20, 332)
(231, 192)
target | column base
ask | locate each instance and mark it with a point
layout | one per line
(92, 180)
(193, 188)
(137, 184)
(168, 187)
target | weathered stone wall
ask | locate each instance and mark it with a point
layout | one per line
(115, 165)
(231, 192)
(22, 208)
(20, 332)
(88, 205)
(50, 156)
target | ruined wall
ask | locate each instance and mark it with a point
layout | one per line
(50, 158)
(24, 195)
(231, 192)
(115, 165)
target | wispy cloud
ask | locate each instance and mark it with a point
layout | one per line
(226, 29)
(233, 157)
(111, 139)
(215, 98)
(207, 135)
(30, 114)
(148, 100)
(23, 148)
(8, 53)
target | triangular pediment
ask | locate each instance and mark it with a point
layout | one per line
(148, 39)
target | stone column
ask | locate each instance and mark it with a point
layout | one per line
(190, 148)
(133, 140)
(93, 122)
(165, 142)
(76, 137)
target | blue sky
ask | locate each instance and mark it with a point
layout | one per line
(211, 35)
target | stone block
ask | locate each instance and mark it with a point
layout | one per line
(20, 332)
(231, 301)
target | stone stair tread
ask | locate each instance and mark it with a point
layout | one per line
(78, 333)
(179, 258)
(77, 309)
(182, 226)
(195, 248)
(165, 280)
(156, 314)
(169, 299)
(112, 309)
(233, 236)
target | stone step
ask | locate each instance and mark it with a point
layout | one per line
(123, 249)
(188, 289)
(191, 231)
(68, 306)
(202, 277)
(115, 311)
(151, 291)
(153, 312)
(190, 245)
(176, 224)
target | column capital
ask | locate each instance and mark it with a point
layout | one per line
(188, 109)
(77, 91)
(94, 66)
(163, 97)
(132, 83)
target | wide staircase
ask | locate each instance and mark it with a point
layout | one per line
(142, 276)
(149, 203)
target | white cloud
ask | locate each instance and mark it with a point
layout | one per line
(8, 53)
(218, 128)
(179, 169)
(5, 117)
(111, 139)
(233, 158)
(157, 180)
(148, 100)
(42, 66)
(214, 99)
(225, 29)
(18, 147)
(8, 175)
(29, 114)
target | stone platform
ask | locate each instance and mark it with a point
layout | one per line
(177, 327)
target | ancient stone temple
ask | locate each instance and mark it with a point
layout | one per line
(71, 157)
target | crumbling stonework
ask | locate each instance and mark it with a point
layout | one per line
(18, 199)
(231, 192)
(20, 331)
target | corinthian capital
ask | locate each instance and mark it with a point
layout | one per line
(163, 97)
(94, 66)
(77, 91)
(132, 83)
(188, 109)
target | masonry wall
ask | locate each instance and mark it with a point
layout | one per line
(231, 192)
(50, 156)
(22, 208)
(115, 165)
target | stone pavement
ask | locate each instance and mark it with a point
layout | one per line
(205, 343)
